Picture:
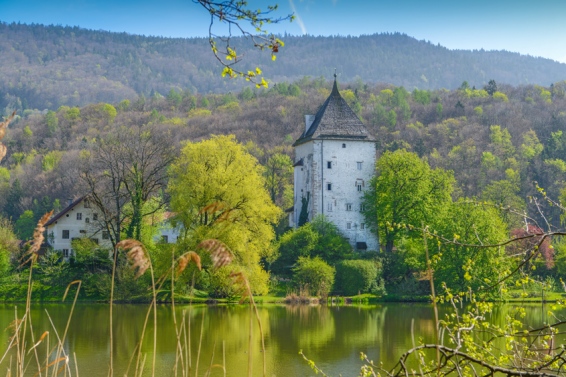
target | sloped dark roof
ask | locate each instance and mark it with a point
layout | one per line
(335, 120)
(64, 211)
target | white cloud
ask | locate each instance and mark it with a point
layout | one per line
(298, 18)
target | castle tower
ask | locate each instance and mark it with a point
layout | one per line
(334, 163)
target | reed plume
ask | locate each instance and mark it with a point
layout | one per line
(38, 238)
(3, 128)
(185, 259)
(136, 255)
(219, 252)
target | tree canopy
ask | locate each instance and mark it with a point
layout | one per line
(217, 191)
(405, 191)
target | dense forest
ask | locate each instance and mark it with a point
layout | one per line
(45, 67)
(498, 141)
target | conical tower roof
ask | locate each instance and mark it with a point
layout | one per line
(335, 120)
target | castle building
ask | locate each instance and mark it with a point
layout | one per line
(334, 163)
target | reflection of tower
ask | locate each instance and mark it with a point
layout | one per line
(334, 163)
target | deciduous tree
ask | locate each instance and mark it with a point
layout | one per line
(405, 191)
(217, 190)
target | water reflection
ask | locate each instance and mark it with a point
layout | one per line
(332, 336)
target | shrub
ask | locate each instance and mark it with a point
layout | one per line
(314, 273)
(353, 276)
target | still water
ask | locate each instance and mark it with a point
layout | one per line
(331, 336)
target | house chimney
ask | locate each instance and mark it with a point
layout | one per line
(309, 119)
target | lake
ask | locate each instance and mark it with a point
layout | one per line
(332, 336)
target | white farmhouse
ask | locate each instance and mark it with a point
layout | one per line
(334, 163)
(78, 220)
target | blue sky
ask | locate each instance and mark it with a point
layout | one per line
(530, 27)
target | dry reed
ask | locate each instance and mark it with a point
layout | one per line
(3, 128)
(219, 252)
(56, 360)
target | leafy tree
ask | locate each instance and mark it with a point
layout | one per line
(405, 191)
(291, 246)
(278, 176)
(25, 225)
(217, 190)
(491, 87)
(357, 276)
(503, 193)
(315, 275)
(304, 214)
(461, 266)
(531, 146)
(13, 208)
(332, 247)
(52, 122)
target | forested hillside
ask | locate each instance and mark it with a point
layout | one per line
(45, 67)
(498, 140)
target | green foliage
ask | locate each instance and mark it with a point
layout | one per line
(405, 191)
(8, 245)
(315, 275)
(25, 225)
(332, 247)
(502, 97)
(491, 87)
(52, 122)
(51, 160)
(292, 245)
(319, 238)
(304, 214)
(461, 266)
(357, 276)
(219, 171)
(531, 146)
(421, 96)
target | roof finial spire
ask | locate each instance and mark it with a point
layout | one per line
(335, 86)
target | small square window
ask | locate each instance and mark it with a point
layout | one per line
(348, 225)
(82, 231)
(79, 216)
(344, 145)
(362, 226)
(329, 186)
(359, 165)
(329, 164)
(95, 216)
(86, 204)
(105, 235)
(65, 235)
(348, 207)
(164, 239)
(87, 220)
